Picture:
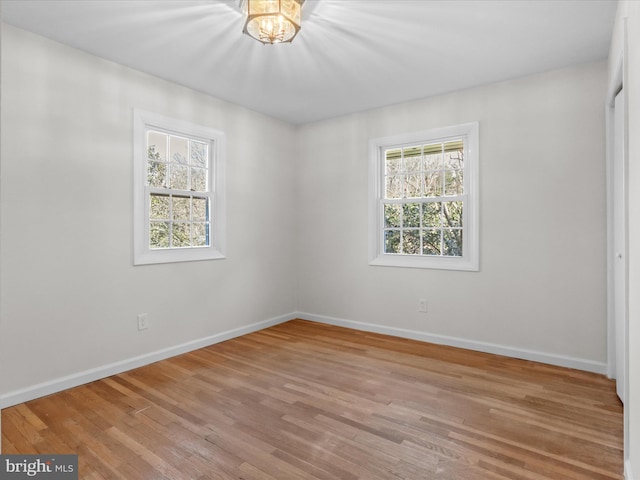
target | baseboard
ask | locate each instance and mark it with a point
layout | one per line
(80, 378)
(559, 360)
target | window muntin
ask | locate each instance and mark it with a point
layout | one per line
(424, 199)
(179, 202)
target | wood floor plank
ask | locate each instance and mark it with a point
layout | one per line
(307, 401)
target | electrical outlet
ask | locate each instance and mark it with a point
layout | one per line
(422, 305)
(143, 321)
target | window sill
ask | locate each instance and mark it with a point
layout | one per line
(178, 255)
(413, 261)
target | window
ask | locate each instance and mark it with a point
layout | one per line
(424, 199)
(179, 212)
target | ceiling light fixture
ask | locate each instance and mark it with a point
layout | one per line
(272, 21)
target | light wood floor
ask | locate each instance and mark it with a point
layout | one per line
(305, 401)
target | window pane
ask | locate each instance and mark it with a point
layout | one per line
(181, 235)
(433, 160)
(392, 215)
(411, 242)
(179, 148)
(453, 183)
(432, 148)
(157, 174)
(157, 146)
(199, 209)
(199, 234)
(181, 208)
(452, 242)
(412, 156)
(412, 186)
(198, 179)
(159, 207)
(433, 184)
(453, 156)
(431, 242)
(179, 177)
(452, 214)
(391, 241)
(431, 214)
(411, 215)
(159, 235)
(412, 164)
(393, 162)
(394, 187)
(199, 154)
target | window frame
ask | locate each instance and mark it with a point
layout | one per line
(469, 261)
(143, 121)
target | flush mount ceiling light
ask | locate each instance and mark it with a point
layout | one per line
(272, 21)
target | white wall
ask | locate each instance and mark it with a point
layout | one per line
(626, 43)
(542, 281)
(69, 292)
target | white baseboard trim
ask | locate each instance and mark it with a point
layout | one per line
(551, 359)
(46, 388)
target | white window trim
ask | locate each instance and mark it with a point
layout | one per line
(470, 260)
(142, 254)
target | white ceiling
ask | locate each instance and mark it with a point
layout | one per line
(351, 55)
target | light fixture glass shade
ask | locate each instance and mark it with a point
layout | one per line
(272, 21)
